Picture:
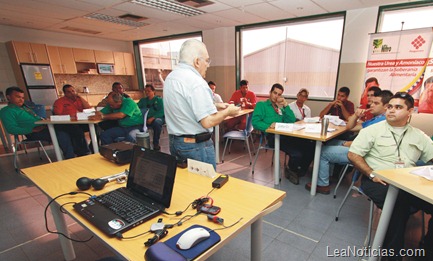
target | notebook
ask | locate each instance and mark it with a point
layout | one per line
(147, 193)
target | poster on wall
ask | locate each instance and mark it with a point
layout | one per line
(401, 61)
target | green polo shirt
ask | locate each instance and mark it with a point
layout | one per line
(155, 106)
(377, 145)
(18, 120)
(129, 107)
(264, 115)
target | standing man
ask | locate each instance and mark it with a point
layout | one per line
(389, 144)
(298, 107)
(335, 151)
(266, 115)
(245, 99)
(155, 115)
(19, 119)
(188, 106)
(340, 107)
(70, 104)
(126, 112)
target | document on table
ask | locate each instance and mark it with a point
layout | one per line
(425, 172)
(288, 127)
(315, 128)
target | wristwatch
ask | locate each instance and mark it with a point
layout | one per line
(371, 176)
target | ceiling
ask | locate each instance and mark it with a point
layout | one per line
(68, 16)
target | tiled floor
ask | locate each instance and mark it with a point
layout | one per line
(304, 228)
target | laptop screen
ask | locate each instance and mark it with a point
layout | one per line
(152, 174)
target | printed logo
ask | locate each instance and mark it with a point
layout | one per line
(116, 224)
(418, 42)
(379, 47)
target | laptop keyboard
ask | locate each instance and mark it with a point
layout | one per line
(126, 207)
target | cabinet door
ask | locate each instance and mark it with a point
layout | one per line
(129, 64)
(104, 56)
(84, 55)
(56, 63)
(40, 54)
(119, 63)
(67, 59)
(23, 52)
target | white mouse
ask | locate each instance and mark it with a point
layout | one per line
(192, 237)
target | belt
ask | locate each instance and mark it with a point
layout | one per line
(197, 138)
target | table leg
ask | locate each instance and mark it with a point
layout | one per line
(316, 167)
(277, 159)
(59, 220)
(93, 138)
(217, 143)
(55, 142)
(256, 240)
(382, 227)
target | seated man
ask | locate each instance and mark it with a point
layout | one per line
(155, 115)
(336, 151)
(247, 100)
(18, 119)
(390, 144)
(216, 96)
(126, 112)
(298, 107)
(274, 110)
(70, 104)
(117, 87)
(370, 94)
(340, 107)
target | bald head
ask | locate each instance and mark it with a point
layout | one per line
(194, 53)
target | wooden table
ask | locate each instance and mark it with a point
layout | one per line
(399, 179)
(53, 135)
(304, 135)
(217, 132)
(237, 199)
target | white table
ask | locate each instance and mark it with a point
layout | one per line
(304, 135)
(398, 179)
(53, 135)
(217, 132)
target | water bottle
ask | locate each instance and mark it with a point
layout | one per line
(325, 124)
(143, 139)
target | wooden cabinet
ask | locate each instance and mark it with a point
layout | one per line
(84, 55)
(30, 52)
(104, 56)
(62, 60)
(123, 63)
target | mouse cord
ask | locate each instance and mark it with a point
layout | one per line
(63, 211)
(225, 227)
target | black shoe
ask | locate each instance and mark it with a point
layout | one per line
(291, 176)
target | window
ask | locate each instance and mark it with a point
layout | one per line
(405, 17)
(159, 56)
(298, 53)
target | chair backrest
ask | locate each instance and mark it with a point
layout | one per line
(249, 127)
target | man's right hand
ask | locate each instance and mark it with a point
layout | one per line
(233, 110)
(38, 128)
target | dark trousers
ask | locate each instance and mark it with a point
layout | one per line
(78, 139)
(62, 137)
(406, 204)
(301, 151)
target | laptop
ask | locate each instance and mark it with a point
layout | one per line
(147, 193)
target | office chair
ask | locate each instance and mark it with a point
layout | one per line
(342, 175)
(24, 142)
(352, 187)
(244, 135)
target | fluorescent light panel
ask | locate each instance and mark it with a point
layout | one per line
(114, 19)
(170, 6)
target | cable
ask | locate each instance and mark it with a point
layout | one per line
(225, 227)
(63, 211)
(120, 236)
(198, 202)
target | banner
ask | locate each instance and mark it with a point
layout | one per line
(401, 61)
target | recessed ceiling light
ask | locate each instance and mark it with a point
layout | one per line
(114, 19)
(170, 6)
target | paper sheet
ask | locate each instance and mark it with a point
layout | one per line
(288, 127)
(312, 120)
(425, 172)
(60, 117)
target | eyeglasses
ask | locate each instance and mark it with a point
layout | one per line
(401, 94)
(208, 60)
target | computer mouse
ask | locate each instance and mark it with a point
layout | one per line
(192, 237)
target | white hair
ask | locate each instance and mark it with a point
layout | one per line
(190, 50)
